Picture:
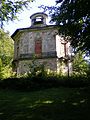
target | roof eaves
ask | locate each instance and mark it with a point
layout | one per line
(32, 28)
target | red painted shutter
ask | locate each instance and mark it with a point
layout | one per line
(38, 47)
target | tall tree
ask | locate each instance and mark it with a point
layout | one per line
(10, 8)
(73, 17)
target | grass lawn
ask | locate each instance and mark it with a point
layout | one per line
(49, 104)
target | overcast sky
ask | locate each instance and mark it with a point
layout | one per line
(24, 17)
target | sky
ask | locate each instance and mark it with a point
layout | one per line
(24, 17)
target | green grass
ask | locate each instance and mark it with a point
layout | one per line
(49, 104)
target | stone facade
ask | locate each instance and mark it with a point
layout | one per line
(40, 40)
(24, 65)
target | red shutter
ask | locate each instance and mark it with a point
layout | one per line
(38, 47)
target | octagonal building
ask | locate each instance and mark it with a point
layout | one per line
(43, 42)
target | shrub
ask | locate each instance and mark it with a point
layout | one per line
(38, 82)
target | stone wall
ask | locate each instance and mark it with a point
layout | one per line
(26, 43)
(52, 49)
(24, 65)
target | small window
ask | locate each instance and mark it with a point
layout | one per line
(38, 20)
(65, 48)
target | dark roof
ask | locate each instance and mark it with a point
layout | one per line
(32, 28)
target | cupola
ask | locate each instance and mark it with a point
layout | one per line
(38, 19)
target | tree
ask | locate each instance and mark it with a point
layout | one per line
(73, 17)
(8, 11)
(80, 65)
(10, 8)
(6, 54)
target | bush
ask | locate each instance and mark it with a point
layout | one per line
(42, 82)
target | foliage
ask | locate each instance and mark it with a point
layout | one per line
(73, 17)
(80, 65)
(10, 8)
(34, 83)
(6, 54)
(36, 68)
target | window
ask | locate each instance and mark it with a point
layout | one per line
(65, 48)
(38, 47)
(38, 20)
(25, 48)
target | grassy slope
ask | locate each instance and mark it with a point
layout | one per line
(50, 104)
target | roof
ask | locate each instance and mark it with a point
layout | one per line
(32, 28)
(37, 14)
